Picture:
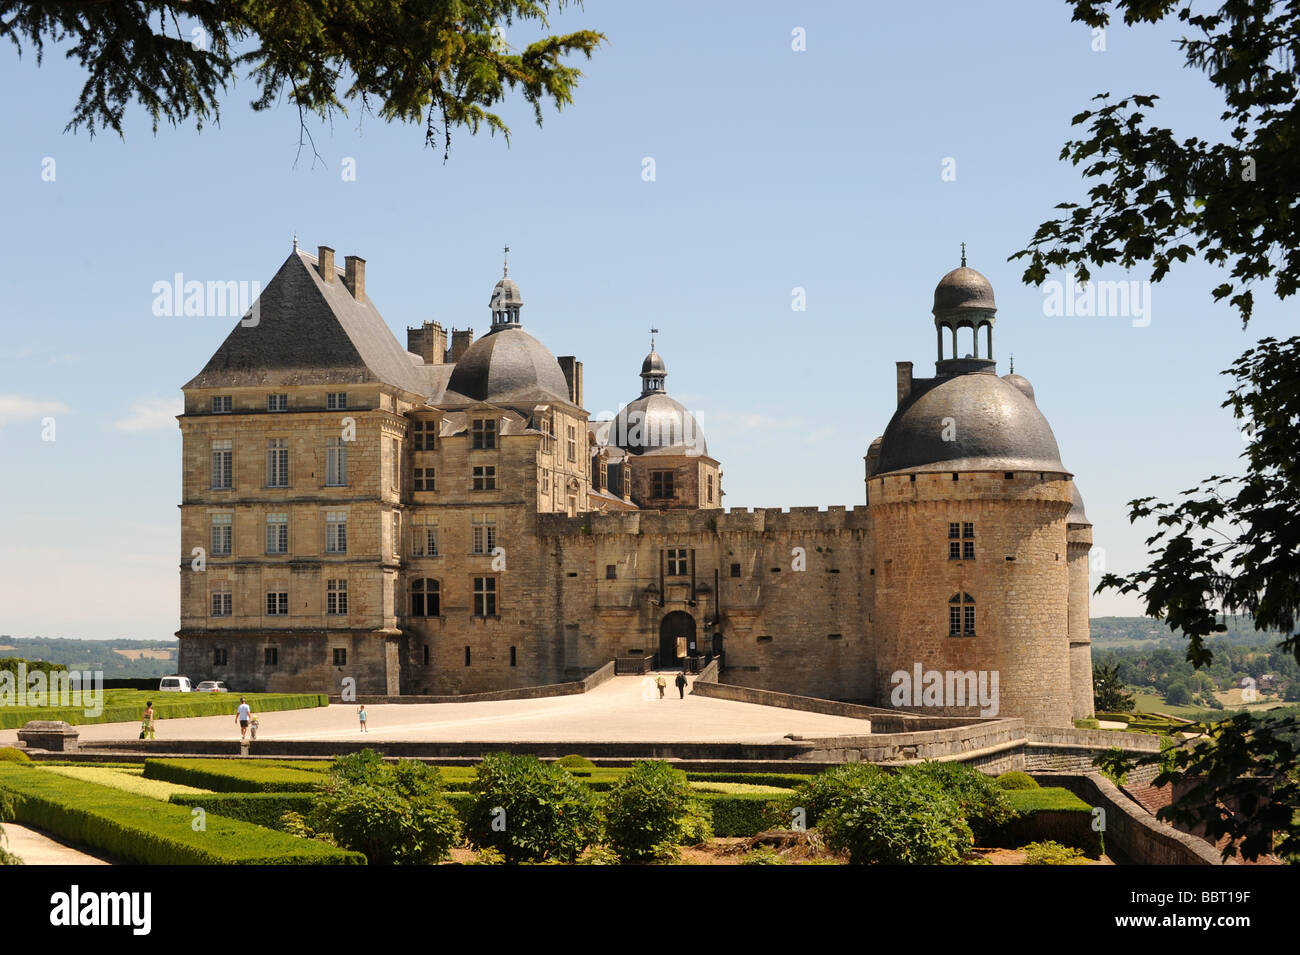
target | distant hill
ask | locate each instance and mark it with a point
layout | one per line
(1145, 632)
(118, 659)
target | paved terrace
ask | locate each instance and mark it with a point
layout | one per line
(615, 711)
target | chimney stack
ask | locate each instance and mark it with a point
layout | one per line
(429, 341)
(904, 381)
(572, 369)
(325, 262)
(460, 342)
(354, 276)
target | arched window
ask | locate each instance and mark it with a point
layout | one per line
(961, 615)
(425, 598)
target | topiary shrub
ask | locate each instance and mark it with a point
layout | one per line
(650, 812)
(981, 800)
(395, 814)
(810, 800)
(11, 755)
(1017, 780)
(530, 811)
(901, 818)
(573, 762)
(1052, 853)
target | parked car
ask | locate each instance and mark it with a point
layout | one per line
(175, 684)
(211, 686)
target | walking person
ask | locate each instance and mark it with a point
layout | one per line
(681, 685)
(242, 717)
(662, 684)
(361, 716)
(146, 721)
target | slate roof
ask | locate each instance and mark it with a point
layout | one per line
(309, 331)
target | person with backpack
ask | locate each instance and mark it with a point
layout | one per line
(681, 684)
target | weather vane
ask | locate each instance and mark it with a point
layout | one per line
(505, 268)
(653, 333)
(963, 255)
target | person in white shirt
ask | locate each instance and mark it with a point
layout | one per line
(242, 717)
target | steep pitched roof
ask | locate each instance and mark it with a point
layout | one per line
(310, 331)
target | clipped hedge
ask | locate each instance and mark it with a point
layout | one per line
(9, 754)
(737, 814)
(1017, 780)
(261, 809)
(233, 776)
(139, 829)
(126, 706)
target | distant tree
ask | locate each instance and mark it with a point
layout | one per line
(1232, 543)
(1178, 694)
(440, 63)
(1109, 693)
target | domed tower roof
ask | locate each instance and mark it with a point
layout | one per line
(507, 362)
(989, 424)
(1076, 515)
(964, 299)
(654, 422)
(1021, 383)
(963, 288)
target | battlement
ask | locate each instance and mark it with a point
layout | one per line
(736, 520)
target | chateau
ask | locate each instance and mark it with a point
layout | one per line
(445, 518)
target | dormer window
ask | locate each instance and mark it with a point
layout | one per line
(484, 434)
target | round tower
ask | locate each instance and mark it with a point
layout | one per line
(968, 500)
(1079, 543)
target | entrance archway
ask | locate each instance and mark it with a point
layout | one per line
(676, 638)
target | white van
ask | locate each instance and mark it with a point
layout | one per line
(175, 684)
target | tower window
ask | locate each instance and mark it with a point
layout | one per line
(424, 435)
(961, 615)
(277, 402)
(735, 570)
(219, 657)
(221, 404)
(336, 400)
(272, 656)
(514, 659)
(485, 478)
(676, 561)
(425, 479)
(661, 483)
(611, 572)
(426, 600)
(340, 656)
(485, 599)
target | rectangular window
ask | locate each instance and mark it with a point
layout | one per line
(735, 570)
(968, 530)
(426, 654)
(514, 659)
(954, 531)
(484, 434)
(395, 460)
(336, 400)
(277, 603)
(954, 550)
(425, 479)
(661, 484)
(677, 562)
(954, 621)
(397, 534)
(572, 443)
(424, 435)
(222, 465)
(968, 620)
(485, 478)
(426, 598)
(709, 480)
(222, 404)
(424, 538)
(272, 656)
(466, 656)
(277, 533)
(221, 604)
(484, 532)
(340, 657)
(336, 598)
(548, 434)
(336, 462)
(546, 483)
(336, 532)
(277, 402)
(967, 550)
(485, 599)
(277, 462)
(218, 657)
(222, 534)
(611, 572)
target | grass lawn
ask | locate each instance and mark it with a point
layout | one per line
(126, 706)
(1049, 797)
(738, 788)
(128, 779)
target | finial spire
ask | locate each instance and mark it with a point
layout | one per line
(1013, 363)
(963, 255)
(295, 241)
(653, 333)
(505, 268)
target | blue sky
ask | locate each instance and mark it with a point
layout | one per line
(775, 169)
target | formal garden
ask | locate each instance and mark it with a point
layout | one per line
(512, 809)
